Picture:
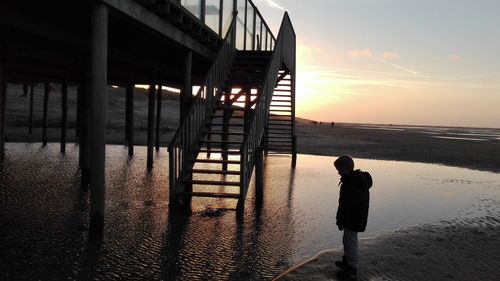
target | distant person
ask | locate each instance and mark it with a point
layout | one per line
(333, 124)
(352, 213)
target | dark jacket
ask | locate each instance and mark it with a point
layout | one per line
(354, 200)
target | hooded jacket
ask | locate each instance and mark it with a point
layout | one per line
(354, 200)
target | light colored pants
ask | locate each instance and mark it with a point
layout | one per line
(350, 240)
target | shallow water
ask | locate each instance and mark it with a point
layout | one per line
(44, 216)
(452, 133)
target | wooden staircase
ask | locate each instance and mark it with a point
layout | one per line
(217, 167)
(245, 106)
(279, 133)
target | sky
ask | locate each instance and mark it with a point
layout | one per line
(415, 62)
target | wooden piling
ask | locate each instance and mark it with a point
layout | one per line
(158, 118)
(3, 100)
(151, 124)
(79, 102)
(46, 93)
(187, 91)
(98, 87)
(30, 121)
(130, 118)
(185, 102)
(84, 132)
(64, 114)
(259, 172)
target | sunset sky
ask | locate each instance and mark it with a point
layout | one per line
(422, 62)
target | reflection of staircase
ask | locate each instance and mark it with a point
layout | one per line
(245, 106)
(217, 167)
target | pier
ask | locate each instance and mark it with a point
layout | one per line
(243, 105)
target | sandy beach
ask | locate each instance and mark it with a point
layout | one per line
(454, 250)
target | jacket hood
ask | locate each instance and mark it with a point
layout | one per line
(361, 179)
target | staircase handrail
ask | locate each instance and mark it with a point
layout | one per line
(185, 143)
(284, 52)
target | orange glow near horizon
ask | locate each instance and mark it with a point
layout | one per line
(394, 95)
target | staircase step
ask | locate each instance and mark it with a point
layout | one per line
(279, 124)
(249, 66)
(224, 133)
(280, 110)
(230, 124)
(207, 182)
(218, 172)
(217, 161)
(231, 152)
(243, 76)
(223, 107)
(279, 137)
(255, 83)
(275, 121)
(254, 53)
(232, 116)
(288, 133)
(220, 142)
(214, 194)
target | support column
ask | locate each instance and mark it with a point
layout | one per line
(46, 93)
(78, 112)
(30, 121)
(151, 123)
(187, 92)
(130, 118)
(259, 172)
(158, 118)
(64, 115)
(25, 95)
(3, 100)
(185, 102)
(84, 132)
(98, 87)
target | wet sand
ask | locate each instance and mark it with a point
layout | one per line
(403, 145)
(456, 250)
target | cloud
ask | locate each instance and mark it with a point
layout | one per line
(405, 69)
(455, 58)
(390, 55)
(368, 54)
(365, 53)
(273, 4)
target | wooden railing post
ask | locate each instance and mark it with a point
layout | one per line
(46, 93)
(64, 114)
(187, 91)
(3, 100)
(30, 121)
(129, 92)
(158, 117)
(151, 120)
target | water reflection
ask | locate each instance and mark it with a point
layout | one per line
(45, 216)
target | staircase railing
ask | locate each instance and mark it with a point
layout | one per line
(284, 52)
(186, 142)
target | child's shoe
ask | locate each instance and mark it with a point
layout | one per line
(346, 270)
